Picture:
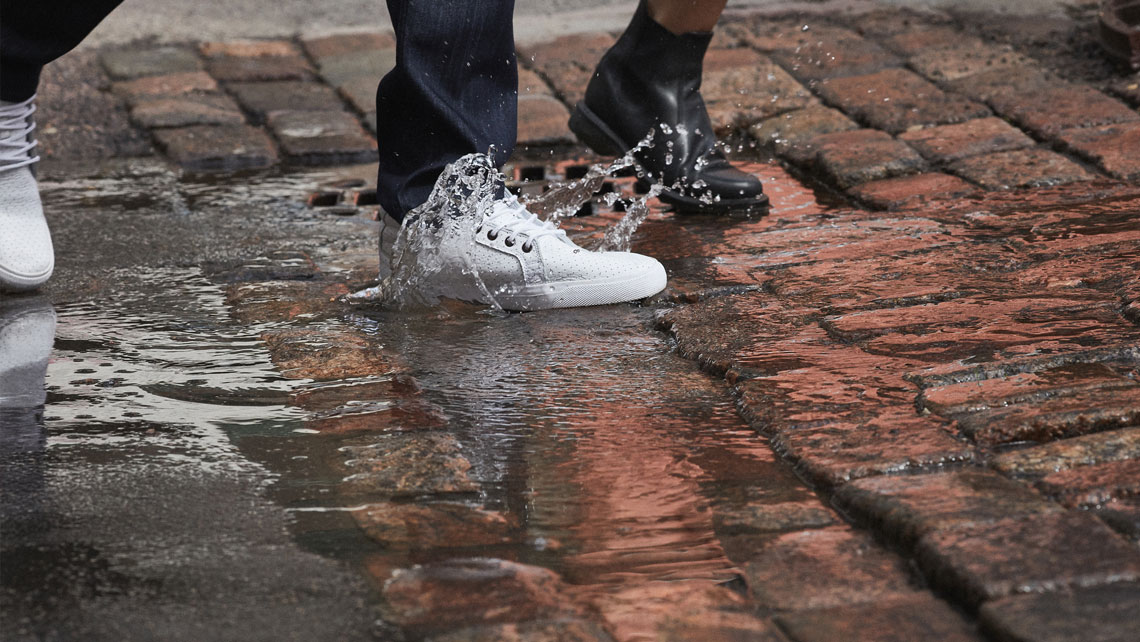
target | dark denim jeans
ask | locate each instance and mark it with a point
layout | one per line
(453, 91)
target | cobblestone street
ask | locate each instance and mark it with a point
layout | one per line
(904, 405)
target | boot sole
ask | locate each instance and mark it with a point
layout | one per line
(595, 134)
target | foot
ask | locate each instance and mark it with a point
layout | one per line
(480, 244)
(648, 86)
(26, 255)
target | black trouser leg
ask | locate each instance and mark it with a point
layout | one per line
(36, 32)
(454, 91)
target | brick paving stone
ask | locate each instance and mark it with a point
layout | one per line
(922, 617)
(825, 568)
(863, 155)
(1122, 515)
(532, 83)
(261, 98)
(459, 593)
(435, 525)
(1092, 486)
(247, 48)
(955, 373)
(1099, 448)
(322, 137)
(966, 59)
(550, 630)
(919, 40)
(886, 22)
(325, 355)
(741, 87)
(374, 64)
(1020, 168)
(791, 133)
(166, 86)
(255, 60)
(1096, 614)
(828, 53)
(336, 44)
(896, 100)
(543, 120)
(360, 92)
(1054, 108)
(1111, 147)
(226, 147)
(128, 64)
(402, 465)
(1128, 89)
(947, 143)
(187, 110)
(902, 509)
(984, 86)
(911, 191)
(772, 518)
(1051, 419)
(1050, 552)
(567, 62)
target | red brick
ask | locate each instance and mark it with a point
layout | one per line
(1097, 614)
(741, 87)
(259, 68)
(825, 568)
(322, 137)
(863, 155)
(922, 617)
(568, 61)
(169, 85)
(903, 508)
(1056, 107)
(791, 132)
(897, 100)
(681, 610)
(890, 21)
(438, 525)
(248, 48)
(227, 147)
(330, 45)
(1091, 486)
(1055, 418)
(542, 120)
(916, 41)
(832, 53)
(261, 98)
(967, 59)
(756, 517)
(560, 629)
(947, 143)
(325, 356)
(1039, 553)
(1021, 168)
(529, 83)
(187, 110)
(129, 63)
(1099, 448)
(985, 85)
(1112, 147)
(911, 191)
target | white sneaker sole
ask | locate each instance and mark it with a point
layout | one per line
(15, 282)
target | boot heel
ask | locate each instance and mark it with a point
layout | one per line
(593, 133)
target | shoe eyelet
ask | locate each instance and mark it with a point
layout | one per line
(492, 235)
(527, 247)
(508, 242)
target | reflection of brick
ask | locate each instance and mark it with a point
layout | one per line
(321, 137)
(1078, 614)
(217, 148)
(897, 100)
(1115, 148)
(947, 143)
(908, 191)
(904, 508)
(863, 155)
(260, 98)
(922, 617)
(542, 119)
(1050, 552)
(1057, 107)
(1023, 168)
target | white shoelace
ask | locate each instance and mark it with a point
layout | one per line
(16, 127)
(511, 217)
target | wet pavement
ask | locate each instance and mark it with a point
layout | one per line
(902, 406)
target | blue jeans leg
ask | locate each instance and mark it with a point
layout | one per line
(454, 91)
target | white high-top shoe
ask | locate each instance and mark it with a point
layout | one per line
(26, 255)
(506, 256)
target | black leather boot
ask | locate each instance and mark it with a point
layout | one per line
(650, 81)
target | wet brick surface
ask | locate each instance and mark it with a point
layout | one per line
(321, 137)
(863, 155)
(971, 138)
(1023, 168)
(912, 191)
(899, 620)
(186, 111)
(1098, 614)
(217, 148)
(896, 100)
(261, 98)
(1111, 147)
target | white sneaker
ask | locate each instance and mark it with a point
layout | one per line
(509, 258)
(26, 255)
